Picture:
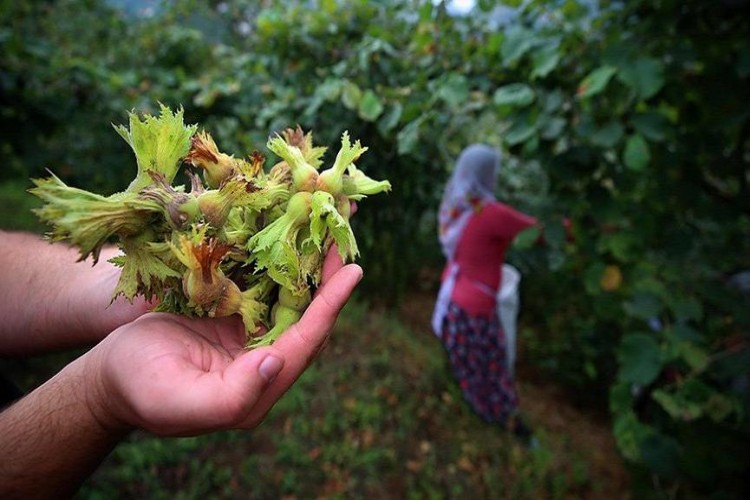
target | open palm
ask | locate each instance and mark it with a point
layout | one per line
(173, 375)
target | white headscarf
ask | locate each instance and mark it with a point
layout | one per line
(470, 187)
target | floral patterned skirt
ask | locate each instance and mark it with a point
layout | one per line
(476, 351)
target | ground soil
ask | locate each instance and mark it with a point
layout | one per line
(550, 407)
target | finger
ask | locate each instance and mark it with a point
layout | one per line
(331, 264)
(246, 379)
(305, 336)
(303, 340)
(229, 331)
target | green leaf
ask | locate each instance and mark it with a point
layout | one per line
(555, 259)
(584, 126)
(519, 132)
(390, 119)
(526, 238)
(514, 94)
(592, 278)
(695, 357)
(370, 107)
(608, 135)
(622, 245)
(660, 454)
(692, 399)
(620, 398)
(596, 81)
(330, 88)
(645, 76)
(554, 233)
(695, 389)
(629, 432)
(589, 369)
(640, 359)
(686, 308)
(454, 90)
(552, 128)
(685, 332)
(651, 125)
(553, 101)
(643, 306)
(544, 61)
(408, 136)
(518, 41)
(719, 407)
(351, 95)
(636, 155)
(678, 407)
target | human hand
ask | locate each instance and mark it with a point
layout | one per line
(173, 375)
(55, 301)
(89, 297)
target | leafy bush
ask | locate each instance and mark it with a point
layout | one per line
(630, 118)
(16, 207)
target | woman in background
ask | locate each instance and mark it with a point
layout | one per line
(475, 231)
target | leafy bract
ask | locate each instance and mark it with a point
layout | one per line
(89, 220)
(251, 244)
(159, 143)
(326, 219)
(143, 271)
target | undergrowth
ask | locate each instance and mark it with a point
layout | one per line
(376, 416)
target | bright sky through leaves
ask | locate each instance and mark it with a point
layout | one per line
(458, 6)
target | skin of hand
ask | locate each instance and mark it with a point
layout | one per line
(179, 376)
(170, 375)
(55, 300)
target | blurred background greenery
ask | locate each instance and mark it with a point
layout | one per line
(629, 117)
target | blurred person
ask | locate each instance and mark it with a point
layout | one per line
(165, 374)
(475, 231)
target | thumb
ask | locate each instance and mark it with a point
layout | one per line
(247, 377)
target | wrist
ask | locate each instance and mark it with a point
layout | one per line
(85, 308)
(96, 311)
(99, 399)
(72, 297)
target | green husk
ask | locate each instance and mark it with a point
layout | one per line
(159, 143)
(251, 244)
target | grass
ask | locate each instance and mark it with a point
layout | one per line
(376, 416)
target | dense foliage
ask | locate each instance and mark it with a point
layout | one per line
(630, 118)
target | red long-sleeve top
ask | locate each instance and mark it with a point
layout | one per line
(481, 253)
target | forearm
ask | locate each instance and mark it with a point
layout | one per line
(50, 301)
(52, 439)
(31, 286)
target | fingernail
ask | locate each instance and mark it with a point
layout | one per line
(270, 367)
